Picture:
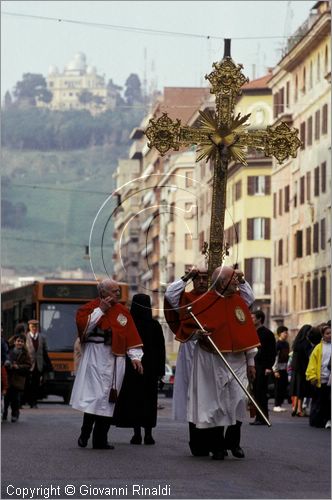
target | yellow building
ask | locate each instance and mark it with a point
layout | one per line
(78, 87)
(248, 201)
(301, 227)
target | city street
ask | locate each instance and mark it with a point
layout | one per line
(41, 459)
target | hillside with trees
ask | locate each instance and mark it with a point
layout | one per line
(57, 171)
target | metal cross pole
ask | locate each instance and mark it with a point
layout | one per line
(189, 309)
(221, 137)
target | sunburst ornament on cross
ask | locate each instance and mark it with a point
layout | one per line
(220, 137)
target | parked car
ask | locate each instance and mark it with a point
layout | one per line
(167, 382)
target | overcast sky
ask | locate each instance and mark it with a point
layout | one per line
(258, 31)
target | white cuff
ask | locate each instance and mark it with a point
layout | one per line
(135, 353)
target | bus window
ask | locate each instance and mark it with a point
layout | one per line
(58, 323)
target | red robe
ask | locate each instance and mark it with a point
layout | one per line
(117, 318)
(228, 318)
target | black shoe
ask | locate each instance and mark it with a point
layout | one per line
(237, 452)
(149, 440)
(136, 439)
(82, 442)
(218, 455)
(257, 422)
(104, 447)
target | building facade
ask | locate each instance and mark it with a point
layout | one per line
(301, 226)
(78, 87)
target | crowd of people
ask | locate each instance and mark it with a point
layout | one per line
(224, 346)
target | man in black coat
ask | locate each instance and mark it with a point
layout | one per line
(264, 360)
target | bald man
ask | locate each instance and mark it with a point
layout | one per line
(215, 399)
(177, 298)
(107, 333)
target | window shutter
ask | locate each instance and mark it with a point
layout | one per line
(302, 190)
(251, 185)
(316, 182)
(309, 138)
(274, 205)
(267, 184)
(267, 276)
(267, 229)
(248, 270)
(322, 234)
(323, 177)
(308, 240)
(316, 238)
(307, 294)
(317, 125)
(315, 292)
(302, 134)
(308, 186)
(280, 201)
(275, 105)
(324, 119)
(286, 198)
(322, 302)
(250, 229)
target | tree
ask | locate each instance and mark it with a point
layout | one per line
(85, 97)
(133, 92)
(8, 100)
(32, 87)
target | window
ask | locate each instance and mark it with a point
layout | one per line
(315, 292)
(308, 175)
(317, 124)
(280, 201)
(281, 100)
(307, 294)
(189, 179)
(274, 205)
(287, 94)
(258, 229)
(302, 190)
(322, 234)
(286, 198)
(294, 297)
(309, 135)
(188, 241)
(295, 194)
(259, 184)
(298, 244)
(280, 253)
(302, 134)
(326, 60)
(275, 105)
(315, 243)
(238, 190)
(258, 276)
(304, 80)
(287, 246)
(311, 72)
(323, 177)
(316, 181)
(322, 301)
(324, 119)
(296, 90)
(318, 68)
(308, 241)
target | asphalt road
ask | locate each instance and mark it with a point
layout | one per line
(41, 459)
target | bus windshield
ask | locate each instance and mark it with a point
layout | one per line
(58, 323)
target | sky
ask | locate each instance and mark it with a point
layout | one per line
(109, 33)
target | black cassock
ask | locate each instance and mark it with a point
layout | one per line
(137, 402)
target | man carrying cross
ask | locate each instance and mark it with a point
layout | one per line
(215, 399)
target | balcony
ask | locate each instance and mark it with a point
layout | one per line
(135, 151)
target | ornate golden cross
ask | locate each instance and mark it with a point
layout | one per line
(220, 137)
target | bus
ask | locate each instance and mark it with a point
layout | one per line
(53, 302)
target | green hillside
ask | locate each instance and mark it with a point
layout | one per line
(62, 192)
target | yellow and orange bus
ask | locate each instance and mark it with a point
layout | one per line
(54, 304)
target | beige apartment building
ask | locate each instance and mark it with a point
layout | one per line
(301, 224)
(159, 198)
